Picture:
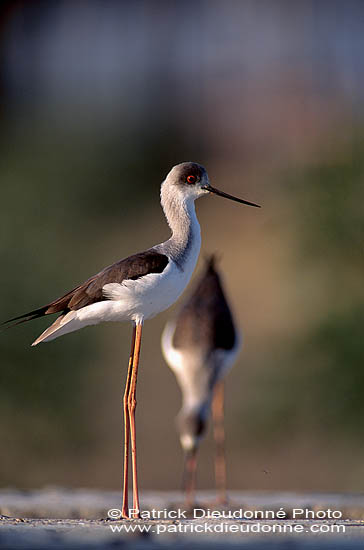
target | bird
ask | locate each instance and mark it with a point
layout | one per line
(200, 344)
(135, 289)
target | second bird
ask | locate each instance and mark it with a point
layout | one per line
(200, 344)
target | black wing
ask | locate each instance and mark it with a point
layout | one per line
(90, 291)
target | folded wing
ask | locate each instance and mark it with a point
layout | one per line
(90, 292)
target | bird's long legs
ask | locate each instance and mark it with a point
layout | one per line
(129, 405)
(132, 406)
(189, 477)
(125, 505)
(219, 436)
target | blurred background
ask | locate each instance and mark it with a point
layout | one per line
(98, 99)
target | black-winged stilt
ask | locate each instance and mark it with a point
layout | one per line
(137, 288)
(200, 345)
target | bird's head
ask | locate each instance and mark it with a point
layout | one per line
(192, 427)
(190, 180)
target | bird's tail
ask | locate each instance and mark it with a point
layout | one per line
(62, 325)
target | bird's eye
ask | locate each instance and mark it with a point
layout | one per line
(191, 179)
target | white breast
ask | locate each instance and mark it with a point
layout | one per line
(145, 297)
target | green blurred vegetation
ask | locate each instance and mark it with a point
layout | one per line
(328, 200)
(70, 203)
(315, 382)
(96, 105)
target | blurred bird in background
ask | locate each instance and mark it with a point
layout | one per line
(200, 345)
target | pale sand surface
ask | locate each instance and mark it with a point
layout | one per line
(72, 519)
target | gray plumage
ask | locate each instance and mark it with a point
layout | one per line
(180, 244)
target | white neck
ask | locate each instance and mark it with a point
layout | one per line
(185, 242)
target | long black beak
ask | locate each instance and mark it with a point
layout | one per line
(222, 194)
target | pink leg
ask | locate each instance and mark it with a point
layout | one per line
(189, 478)
(132, 406)
(219, 436)
(125, 506)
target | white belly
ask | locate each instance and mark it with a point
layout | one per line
(145, 297)
(194, 368)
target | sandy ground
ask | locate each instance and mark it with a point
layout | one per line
(50, 518)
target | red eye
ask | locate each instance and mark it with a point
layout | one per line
(191, 179)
